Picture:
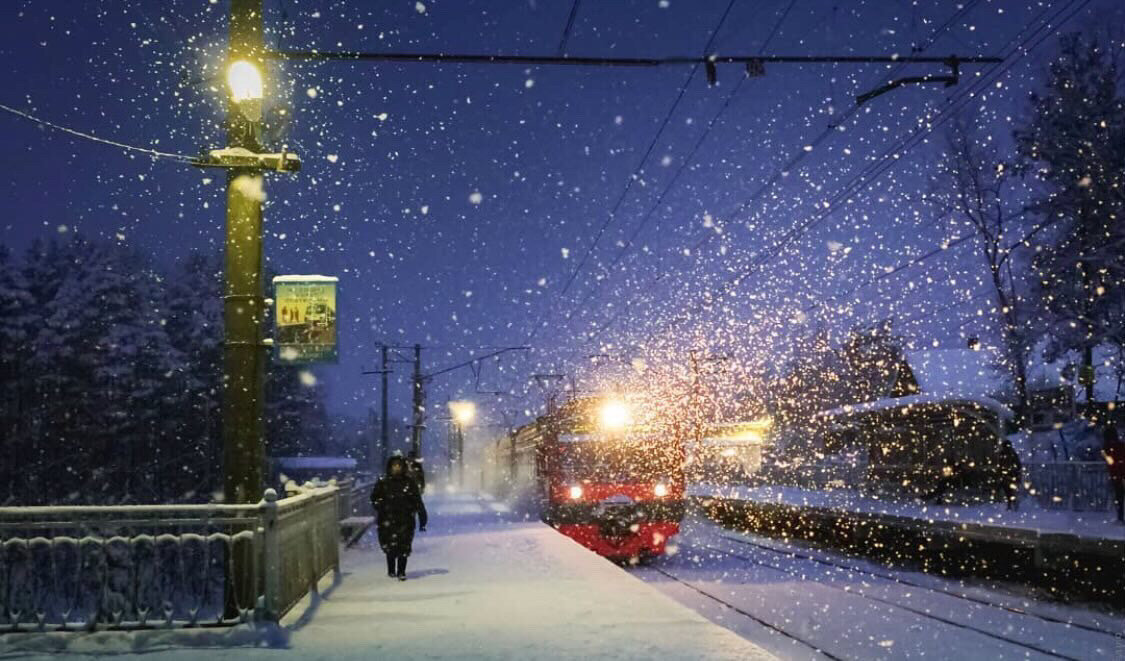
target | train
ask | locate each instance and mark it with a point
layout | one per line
(594, 474)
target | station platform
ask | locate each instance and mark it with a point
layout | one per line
(481, 584)
(1078, 554)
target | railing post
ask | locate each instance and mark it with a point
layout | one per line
(271, 557)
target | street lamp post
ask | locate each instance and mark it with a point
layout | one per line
(244, 306)
(244, 349)
(243, 302)
(463, 413)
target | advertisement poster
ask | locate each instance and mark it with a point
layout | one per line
(305, 319)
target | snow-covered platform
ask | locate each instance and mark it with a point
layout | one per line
(481, 585)
(1040, 539)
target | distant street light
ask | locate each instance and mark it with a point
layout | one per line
(463, 412)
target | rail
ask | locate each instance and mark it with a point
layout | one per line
(142, 566)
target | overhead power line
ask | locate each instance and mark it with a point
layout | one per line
(687, 160)
(892, 155)
(778, 173)
(632, 178)
(105, 141)
(569, 26)
(567, 60)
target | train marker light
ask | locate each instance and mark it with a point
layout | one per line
(660, 490)
(575, 492)
(615, 415)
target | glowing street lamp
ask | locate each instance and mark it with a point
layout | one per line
(463, 412)
(245, 82)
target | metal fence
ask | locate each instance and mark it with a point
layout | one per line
(164, 565)
(1079, 486)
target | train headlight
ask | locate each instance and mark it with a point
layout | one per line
(575, 492)
(660, 490)
(615, 416)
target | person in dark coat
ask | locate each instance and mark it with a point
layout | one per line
(1011, 474)
(1113, 449)
(414, 463)
(397, 502)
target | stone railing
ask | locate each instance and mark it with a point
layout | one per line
(164, 565)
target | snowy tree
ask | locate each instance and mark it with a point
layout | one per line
(872, 357)
(104, 330)
(1074, 143)
(812, 380)
(975, 190)
(17, 323)
(195, 327)
(60, 396)
(295, 418)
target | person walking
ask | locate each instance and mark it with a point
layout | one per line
(1113, 449)
(1011, 474)
(397, 501)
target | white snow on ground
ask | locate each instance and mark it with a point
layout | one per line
(480, 587)
(849, 614)
(1028, 517)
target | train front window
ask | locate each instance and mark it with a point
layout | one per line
(616, 463)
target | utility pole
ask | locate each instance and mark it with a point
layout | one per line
(460, 455)
(384, 429)
(551, 395)
(419, 404)
(244, 354)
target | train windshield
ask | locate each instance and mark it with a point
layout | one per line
(619, 462)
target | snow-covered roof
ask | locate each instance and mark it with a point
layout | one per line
(888, 403)
(960, 373)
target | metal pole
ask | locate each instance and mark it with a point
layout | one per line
(243, 306)
(461, 456)
(419, 403)
(385, 429)
(243, 303)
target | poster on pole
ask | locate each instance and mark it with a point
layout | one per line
(305, 319)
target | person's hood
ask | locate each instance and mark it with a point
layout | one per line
(392, 461)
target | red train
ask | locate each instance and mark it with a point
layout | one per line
(614, 486)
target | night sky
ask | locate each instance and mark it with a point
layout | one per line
(455, 201)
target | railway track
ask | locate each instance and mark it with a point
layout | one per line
(772, 627)
(902, 581)
(705, 549)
